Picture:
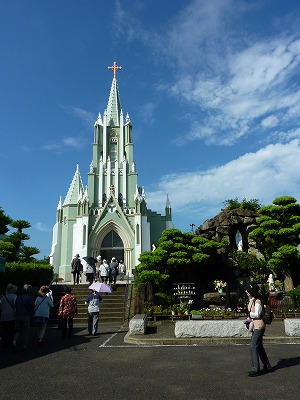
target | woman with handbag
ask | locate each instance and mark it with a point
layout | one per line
(255, 308)
(43, 304)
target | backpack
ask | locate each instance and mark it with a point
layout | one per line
(267, 315)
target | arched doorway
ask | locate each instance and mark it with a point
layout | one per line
(112, 246)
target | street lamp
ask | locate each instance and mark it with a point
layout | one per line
(192, 225)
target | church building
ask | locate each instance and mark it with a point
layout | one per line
(109, 216)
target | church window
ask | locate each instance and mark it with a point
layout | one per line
(113, 136)
(104, 198)
(84, 235)
(112, 239)
(120, 200)
(113, 152)
(137, 234)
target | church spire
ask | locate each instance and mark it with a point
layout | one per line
(75, 190)
(114, 104)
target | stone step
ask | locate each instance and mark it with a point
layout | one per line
(112, 308)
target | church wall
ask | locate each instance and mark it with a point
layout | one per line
(69, 219)
(158, 224)
(79, 242)
(55, 255)
(146, 239)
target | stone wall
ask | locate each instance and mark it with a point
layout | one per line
(227, 224)
(208, 329)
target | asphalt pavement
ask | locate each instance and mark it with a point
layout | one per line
(105, 367)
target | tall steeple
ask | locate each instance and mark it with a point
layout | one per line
(114, 104)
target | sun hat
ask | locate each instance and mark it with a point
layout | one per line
(10, 288)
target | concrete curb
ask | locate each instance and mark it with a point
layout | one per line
(214, 341)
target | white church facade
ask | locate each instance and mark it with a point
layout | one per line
(109, 216)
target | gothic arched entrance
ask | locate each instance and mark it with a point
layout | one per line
(113, 241)
(112, 246)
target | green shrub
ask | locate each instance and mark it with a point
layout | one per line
(296, 293)
(35, 274)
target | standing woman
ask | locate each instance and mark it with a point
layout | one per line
(255, 308)
(76, 269)
(67, 311)
(93, 302)
(42, 306)
(24, 311)
(90, 272)
(104, 272)
(8, 315)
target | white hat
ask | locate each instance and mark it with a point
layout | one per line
(99, 258)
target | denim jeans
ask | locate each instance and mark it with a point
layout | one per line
(257, 350)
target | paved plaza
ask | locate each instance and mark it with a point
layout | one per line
(105, 367)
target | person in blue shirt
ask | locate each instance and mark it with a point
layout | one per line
(93, 302)
(42, 306)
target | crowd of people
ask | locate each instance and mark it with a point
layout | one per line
(98, 270)
(22, 310)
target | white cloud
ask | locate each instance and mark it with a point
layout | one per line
(147, 112)
(74, 142)
(270, 172)
(86, 117)
(66, 143)
(269, 122)
(41, 227)
(235, 102)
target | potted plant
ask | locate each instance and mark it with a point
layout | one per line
(289, 313)
(148, 308)
(196, 314)
(183, 309)
(228, 314)
(278, 314)
(220, 285)
(297, 313)
(174, 309)
(217, 313)
(157, 309)
(207, 313)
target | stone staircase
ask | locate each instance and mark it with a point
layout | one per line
(111, 309)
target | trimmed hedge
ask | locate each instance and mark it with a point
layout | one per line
(35, 274)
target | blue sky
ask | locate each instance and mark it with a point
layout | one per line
(212, 89)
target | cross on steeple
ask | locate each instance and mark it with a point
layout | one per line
(115, 68)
